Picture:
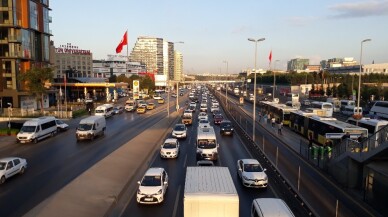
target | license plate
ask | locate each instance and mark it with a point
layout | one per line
(148, 199)
(22, 141)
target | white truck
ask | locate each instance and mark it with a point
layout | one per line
(210, 191)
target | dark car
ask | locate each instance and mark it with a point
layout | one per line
(218, 119)
(216, 112)
(226, 128)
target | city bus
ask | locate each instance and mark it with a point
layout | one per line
(322, 128)
(328, 107)
(351, 110)
(299, 119)
(373, 125)
(278, 111)
(336, 104)
(380, 109)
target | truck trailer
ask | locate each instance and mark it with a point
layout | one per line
(210, 191)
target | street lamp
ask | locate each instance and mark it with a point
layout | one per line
(254, 86)
(359, 78)
(9, 115)
(274, 81)
(226, 89)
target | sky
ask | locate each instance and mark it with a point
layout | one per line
(216, 31)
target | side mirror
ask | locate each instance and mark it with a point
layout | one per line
(165, 182)
(264, 169)
(218, 145)
(239, 169)
(138, 182)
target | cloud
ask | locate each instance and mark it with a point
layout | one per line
(300, 21)
(360, 9)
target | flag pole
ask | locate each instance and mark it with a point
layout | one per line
(65, 96)
(126, 70)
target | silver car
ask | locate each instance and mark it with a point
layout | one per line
(11, 166)
(251, 173)
(179, 131)
(170, 148)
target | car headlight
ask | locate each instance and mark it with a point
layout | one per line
(246, 178)
(138, 191)
(222, 129)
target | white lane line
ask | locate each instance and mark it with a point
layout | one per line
(176, 201)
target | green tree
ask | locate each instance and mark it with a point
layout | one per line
(34, 80)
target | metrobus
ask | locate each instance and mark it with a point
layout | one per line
(346, 102)
(299, 119)
(328, 107)
(322, 128)
(278, 111)
(380, 109)
(373, 125)
(351, 110)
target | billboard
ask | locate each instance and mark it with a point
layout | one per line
(160, 80)
(136, 88)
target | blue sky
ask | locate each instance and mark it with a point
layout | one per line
(217, 30)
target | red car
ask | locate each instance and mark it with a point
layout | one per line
(218, 118)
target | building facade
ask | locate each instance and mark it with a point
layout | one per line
(70, 59)
(297, 64)
(25, 43)
(178, 70)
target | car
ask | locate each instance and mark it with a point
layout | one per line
(174, 95)
(203, 123)
(141, 103)
(218, 119)
(118, 110)
(161, 101)
(251, 97)
(157, 96)
(192, 108)
(153, 186)
(202, 116)
(251, 173)
(170, 148)
(150, 106)
(180, 94)
(306, 102)
(179, 131)
(193, 104)
(205, 163)
(141, 109)
(216, 112)
(226, 128)
(11, 166)
(214, 108)
(61, 126)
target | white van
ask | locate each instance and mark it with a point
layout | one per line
(207, 146)
(91, 127)
(37, 129)
(105, 110)
(270, 207)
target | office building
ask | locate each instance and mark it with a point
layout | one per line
(178, 70)
(297, 64)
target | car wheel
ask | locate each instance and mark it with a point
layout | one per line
(22, 170)
(35, 140)
(2, 180)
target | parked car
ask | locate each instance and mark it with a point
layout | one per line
(218, 118)
(251, 173)
(170, 148)
(11, 166)
(153, 186)
(61, 126)
(226, 128)
(179, 131)
(118, 110)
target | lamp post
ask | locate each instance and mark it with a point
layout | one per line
(9, 115)
(274, 81)
(359, 78)
(226, 89)
(254, 87)
(177, 85)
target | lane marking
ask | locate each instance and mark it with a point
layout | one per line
(176, 201)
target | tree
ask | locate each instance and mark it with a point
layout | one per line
(34, 80)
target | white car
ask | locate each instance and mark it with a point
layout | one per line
(170, 148)
(251, 173)
(203, 123)
(179, 131)
(214, 108)
(203, 116)
(153, 186)
(193, 104)
(61, 126)
(11, 166)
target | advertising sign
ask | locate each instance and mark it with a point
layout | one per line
(136, 88)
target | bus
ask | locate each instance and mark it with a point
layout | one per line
(346, 102)
(351, 110)
(373, 125)
(380, 109)
(299, 119)
(328, 107)
(336, 104)
(322, 128)
(278, 111)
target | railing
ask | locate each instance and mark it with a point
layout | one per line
(361, 151)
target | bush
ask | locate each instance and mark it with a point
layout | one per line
(6, 131)
(79, 113)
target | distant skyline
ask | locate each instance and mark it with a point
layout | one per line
(214, 31)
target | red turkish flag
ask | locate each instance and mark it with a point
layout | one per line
(270, 57)
(123, 42)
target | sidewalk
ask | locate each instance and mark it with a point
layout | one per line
(98, 189)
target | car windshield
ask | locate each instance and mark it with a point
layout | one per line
(169, 145)
(100, 111)
(59, 122)
(207, 144)
(179, 128)
(85, 127)
(151, 181)
(204, 121)
(226, 125)
(218, 117)
(252, 168)
(2, 165)
(28, 129)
